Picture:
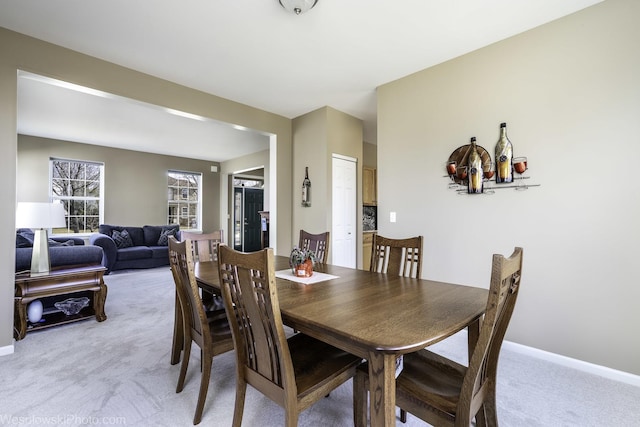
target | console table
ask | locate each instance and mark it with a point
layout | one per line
(61, 281)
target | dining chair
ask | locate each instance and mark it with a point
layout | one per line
(443, 392)
(204, 247)
(402, 257)
(318, 243)
(204, 244)
(294, 372)
(212, 334)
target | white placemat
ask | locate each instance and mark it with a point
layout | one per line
(315, 278)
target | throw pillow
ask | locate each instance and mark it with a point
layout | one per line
(122, 239)
(164, 236)
(24, 240)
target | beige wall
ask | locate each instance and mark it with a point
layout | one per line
(317, 136)
(345, 138)
(25, 53)
(370, 155)
(135, 187)
(310, 150)
(570, 94)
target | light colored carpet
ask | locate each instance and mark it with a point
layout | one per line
(117, 373)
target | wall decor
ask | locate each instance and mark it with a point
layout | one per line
(306, 189)
(472, 170)
(458, 167)
(504, 157)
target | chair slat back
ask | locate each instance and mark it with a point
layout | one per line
(204, 244)
(248, 286)
(181, 262)
(503, 293)
(402, 257)
(318, 243)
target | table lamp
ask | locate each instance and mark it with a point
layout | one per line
(40, 217)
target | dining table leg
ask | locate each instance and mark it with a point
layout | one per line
(382, 389)
(473, 333)
(178, 333)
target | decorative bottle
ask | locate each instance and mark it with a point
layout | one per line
(504, 157)
(306, 189)
(474, 168)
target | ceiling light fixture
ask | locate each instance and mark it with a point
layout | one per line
(298, 6)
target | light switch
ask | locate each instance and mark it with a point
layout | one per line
(392, 217)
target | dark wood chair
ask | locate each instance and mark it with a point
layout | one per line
(294, 372)
(204, 247)
(212, 334)
(402, 257)
(443, 392)
(318, 243)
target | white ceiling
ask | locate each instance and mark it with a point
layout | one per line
(252, 52)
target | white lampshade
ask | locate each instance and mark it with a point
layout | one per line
(298, 6)
(40, 215)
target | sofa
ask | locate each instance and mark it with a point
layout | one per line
(63, 251)
(128, 247)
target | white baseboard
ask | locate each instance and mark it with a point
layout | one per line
(6, 350)
(591, 368)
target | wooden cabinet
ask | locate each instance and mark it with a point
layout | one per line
(367, 246)
(369, 187)
(63, 282)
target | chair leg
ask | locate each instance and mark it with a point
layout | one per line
(241, 390)
(207, 299)
(204, 387)
(403, 416)
(360, 400)
(480, 419)
(176, 345)
(487, 416)
(291, 418)
(185, 364)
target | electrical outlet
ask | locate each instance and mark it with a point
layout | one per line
(392, 217)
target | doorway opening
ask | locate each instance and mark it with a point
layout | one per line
(248, 201)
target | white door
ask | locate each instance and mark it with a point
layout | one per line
(344, 202)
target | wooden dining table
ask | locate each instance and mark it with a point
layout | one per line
(374, 316)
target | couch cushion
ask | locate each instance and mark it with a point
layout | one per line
(25, 237)
(134, 252)
(122, 239)
(159, 251)
(61, 256)
(77, 241)
(58, 243)
(75, 255)
(136, 234)
(153, 233)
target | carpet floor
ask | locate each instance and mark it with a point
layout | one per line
(117, 372)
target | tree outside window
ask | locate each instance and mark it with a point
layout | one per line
(79, 186)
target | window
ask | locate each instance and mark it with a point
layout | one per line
(79, 186)
(184, 194)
